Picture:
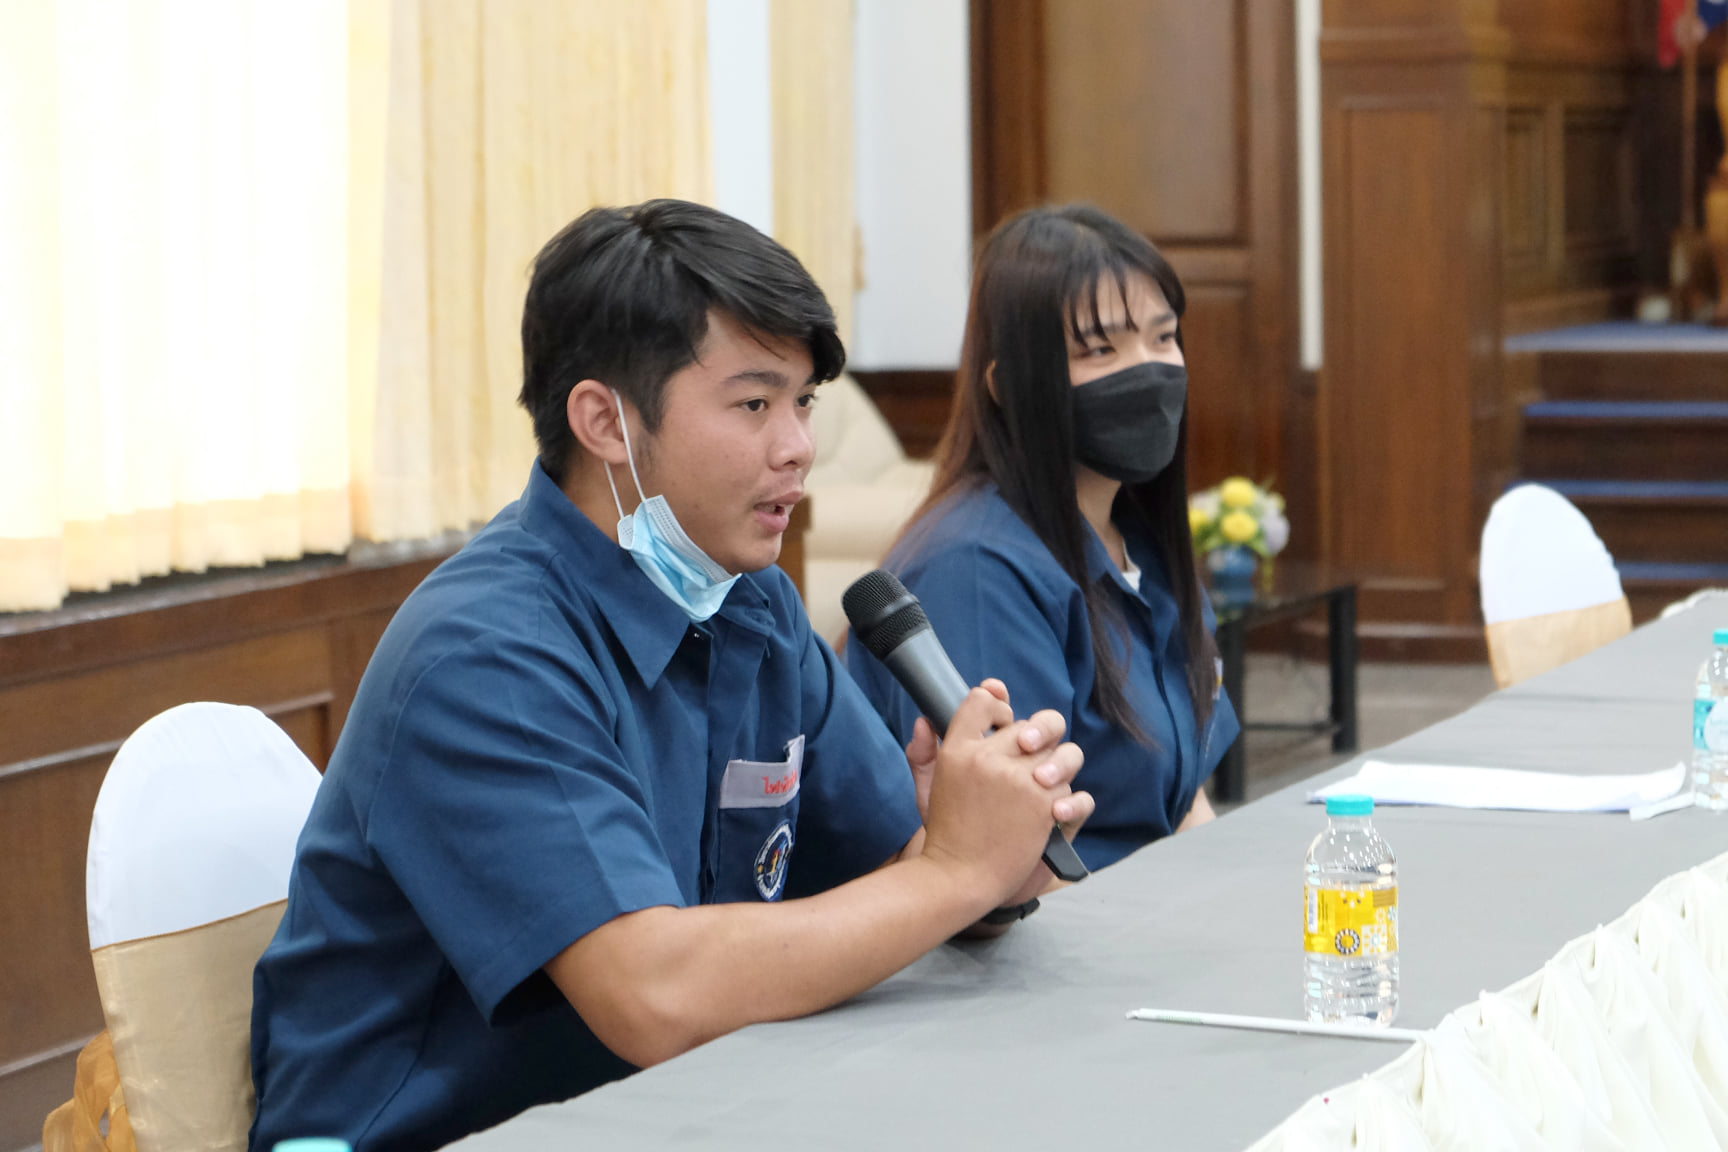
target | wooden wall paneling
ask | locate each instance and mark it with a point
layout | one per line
(47, 986)
(103, 706)
(792, 543)
(1007, 81)
(1579, 103)
(352, 641)
(915, 402)
(1600, 227)
(1413, 101)
(1526, 209)
(1570, 31)
(1180, 85)
(1223, 417)
(1286, 448)
(23, 1086)
(1495, 415)
(1387, 407)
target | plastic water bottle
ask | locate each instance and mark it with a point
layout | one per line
(1702, 701)
(1350, 936)
(1709, 745)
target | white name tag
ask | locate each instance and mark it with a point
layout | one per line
(763, 783)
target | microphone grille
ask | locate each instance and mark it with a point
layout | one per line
(882, 611)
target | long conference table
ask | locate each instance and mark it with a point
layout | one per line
(1021, 1042)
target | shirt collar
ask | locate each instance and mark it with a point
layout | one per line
(1153, 595)
(648, 624)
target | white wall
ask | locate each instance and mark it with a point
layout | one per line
(1308, 177)
(740, 110)
(913, 164)
(914, 171)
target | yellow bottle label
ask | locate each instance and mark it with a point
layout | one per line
(1350, 921)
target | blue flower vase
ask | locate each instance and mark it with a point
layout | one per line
(1233, 568)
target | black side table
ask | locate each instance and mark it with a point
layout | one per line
(1295, 589)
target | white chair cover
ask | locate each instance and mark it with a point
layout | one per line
(196, 822)
(1540, 555)
(187, 874)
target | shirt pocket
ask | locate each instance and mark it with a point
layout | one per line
(758, 826)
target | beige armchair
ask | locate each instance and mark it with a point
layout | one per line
(862, 489)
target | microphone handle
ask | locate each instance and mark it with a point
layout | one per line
(923, 668)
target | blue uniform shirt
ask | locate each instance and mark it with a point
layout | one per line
(1003, 607)
(541, 743)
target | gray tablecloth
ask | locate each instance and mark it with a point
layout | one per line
(1021, 1043)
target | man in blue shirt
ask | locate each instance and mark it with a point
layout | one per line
(602, 795)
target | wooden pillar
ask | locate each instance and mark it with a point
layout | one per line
(1716, 200)
(1413, 108)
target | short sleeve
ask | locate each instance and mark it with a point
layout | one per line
(507, 815)
(858, 804)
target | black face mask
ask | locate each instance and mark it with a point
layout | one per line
(1125, 424)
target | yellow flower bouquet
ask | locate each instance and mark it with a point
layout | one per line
(1234, 523)
(1239, 512)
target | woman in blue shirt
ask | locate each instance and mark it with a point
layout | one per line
(1053, 550)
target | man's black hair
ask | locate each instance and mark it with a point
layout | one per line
(622, 296)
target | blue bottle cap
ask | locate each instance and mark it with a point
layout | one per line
(1721, 636)
(1349, 805)
(312, 1144)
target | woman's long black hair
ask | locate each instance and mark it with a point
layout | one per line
(1037, 281)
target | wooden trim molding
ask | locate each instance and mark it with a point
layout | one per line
(1007, 79)
(290, 639)
(914, 401)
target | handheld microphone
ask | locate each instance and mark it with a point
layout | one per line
(891, 623)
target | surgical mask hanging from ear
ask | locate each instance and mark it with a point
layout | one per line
(688, 576)
(1126, 423)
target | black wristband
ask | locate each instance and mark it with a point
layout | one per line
(1008, 915)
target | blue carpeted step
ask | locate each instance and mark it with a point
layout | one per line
(1699, 574)
(1624, 337)
(1627, 410)
(1580, 491)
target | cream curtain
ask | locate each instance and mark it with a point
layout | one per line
(262, 265)
(172, 316)
(495, 123)
(810, 46)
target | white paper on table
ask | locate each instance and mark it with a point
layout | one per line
(1450, 786)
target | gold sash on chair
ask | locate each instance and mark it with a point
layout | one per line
(179, 1008)
(1520, 649)
(76, 1126)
